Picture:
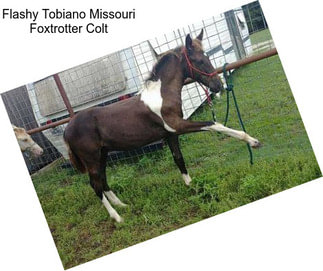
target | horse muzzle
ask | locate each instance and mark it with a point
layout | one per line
(36, 151)
(216, 85)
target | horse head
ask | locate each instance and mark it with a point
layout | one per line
(197, 64)
(26, 143)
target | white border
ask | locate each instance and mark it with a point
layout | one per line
(282, 232)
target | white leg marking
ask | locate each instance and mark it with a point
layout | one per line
(114, 199)
(187, 179)
(151, 97)
(218, 127)
(113, 213)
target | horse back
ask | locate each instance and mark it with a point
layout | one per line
(120, 126)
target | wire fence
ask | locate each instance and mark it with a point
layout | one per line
(122, 74)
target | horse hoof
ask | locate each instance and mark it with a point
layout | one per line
(187, 179)
(119, 219)
(256, 144)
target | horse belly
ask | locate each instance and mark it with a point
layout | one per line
(131, 136)
(129, 129)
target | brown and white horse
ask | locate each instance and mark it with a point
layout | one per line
(26, 143)
(154, 114)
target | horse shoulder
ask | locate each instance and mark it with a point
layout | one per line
(153, 99)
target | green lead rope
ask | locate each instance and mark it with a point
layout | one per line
(229, 88)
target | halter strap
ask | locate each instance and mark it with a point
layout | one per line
(191, 67)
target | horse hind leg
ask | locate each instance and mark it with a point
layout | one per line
(99, 185)
(109, 193)
(113, 198)
(106, 189)
(112, 212)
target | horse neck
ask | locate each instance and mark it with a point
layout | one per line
(172, 77)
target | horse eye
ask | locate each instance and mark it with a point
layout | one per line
(200, 60)
(25, 140)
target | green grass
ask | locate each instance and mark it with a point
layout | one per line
(260, 36)
(158, 201)
(261, 41)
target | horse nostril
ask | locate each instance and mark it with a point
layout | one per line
(216, 86)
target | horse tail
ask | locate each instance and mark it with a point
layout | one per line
(75, 160)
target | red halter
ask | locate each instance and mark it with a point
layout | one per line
(191, 68)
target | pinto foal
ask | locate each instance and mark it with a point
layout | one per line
(154, 114)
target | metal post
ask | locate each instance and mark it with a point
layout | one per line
(241, 62)
(48, 126)
(63, 94)
(235, 34)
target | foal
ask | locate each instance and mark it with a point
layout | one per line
(154, 114)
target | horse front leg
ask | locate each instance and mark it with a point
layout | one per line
(218, 127)
(185, 126)
(173, 144)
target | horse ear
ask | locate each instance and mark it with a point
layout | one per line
(18, 129)
(189, 43)
(153, 51)
(200, 36)
(155, 54)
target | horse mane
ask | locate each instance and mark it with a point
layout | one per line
(162, 59)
